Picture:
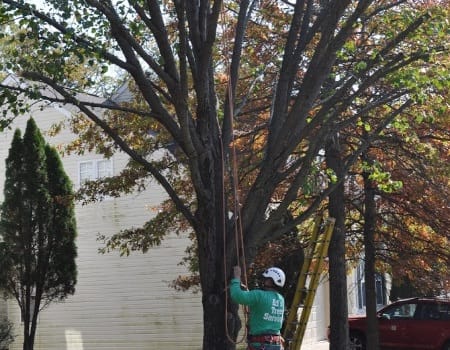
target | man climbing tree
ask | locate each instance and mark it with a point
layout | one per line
(37, 227)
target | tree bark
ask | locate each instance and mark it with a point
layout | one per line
(372, 341)
(338, 273)
(214, 299)
(221, 322)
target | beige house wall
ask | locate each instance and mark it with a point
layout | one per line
(120, 302)
(319, 318)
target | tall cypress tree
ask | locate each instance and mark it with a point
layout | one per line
(38, 228)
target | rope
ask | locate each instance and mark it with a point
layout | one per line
(238, 234)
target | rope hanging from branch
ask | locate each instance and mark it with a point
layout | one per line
(234, 183)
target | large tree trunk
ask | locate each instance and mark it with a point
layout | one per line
(216, 259)
(369, 266)
(28, 339)
(216, 334)
(220, 316)
(338, 273)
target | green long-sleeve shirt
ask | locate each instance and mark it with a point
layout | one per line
(266, 308)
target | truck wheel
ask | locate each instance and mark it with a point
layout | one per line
(358, 341)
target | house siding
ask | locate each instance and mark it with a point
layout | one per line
(316, 329)
(120, 302)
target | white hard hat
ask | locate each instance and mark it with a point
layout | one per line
(276, 274)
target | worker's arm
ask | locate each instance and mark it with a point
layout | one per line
(237, 294)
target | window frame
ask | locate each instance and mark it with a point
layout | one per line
(360, 280)
(95, 169)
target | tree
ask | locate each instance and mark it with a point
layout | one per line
(403, 188)
(281, 78)
(6, 335)
(338, 286)
(38, 229)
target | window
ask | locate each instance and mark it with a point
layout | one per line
(94, 169)
(402, 311)
(361, 284)
(444, 310)
(430, 312)
(435, 311)
(380, 286)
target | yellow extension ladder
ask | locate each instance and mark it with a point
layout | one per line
(316, 252)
